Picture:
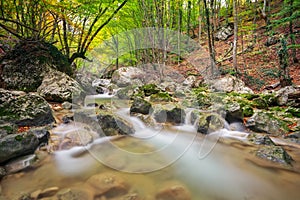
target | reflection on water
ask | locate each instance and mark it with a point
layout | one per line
(190, 165)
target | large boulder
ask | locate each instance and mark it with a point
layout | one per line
(59, 87)
(15, 145)
(24, 109)
(266, 123)
(126, 76)
(105, 123)
(140, 105)
(229, 84)
(25, 66)
(289, 95)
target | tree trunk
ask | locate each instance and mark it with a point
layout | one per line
(210, 40)
(234, 2)
(292, 36)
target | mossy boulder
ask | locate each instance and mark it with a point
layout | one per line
(209, 123)
(259, 103)
(15, 145)
(262, 122)
(114, 125)
(25, 66)
(140, 105)
(7, 128)
(104, 123)
(24, 109)
(275, 154)
(150, 89)
(176, 116)
(129, 92)
(161, 97)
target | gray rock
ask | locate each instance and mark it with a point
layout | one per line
(67, 105)
(189, 81)
(224, 33)
(15, 145)
(25, 66)
(20, 163)
(210, 123)
(229, 84)
(176, 116)
(101, 82)
(24, 109)
(41, 133)
(105, 124)
(282, 95)
(275, 154)
(28, 79)
(234, 112)
(140, 106)
(263, 123)
(7, 128)
(59, 87)
(126, 76)
(2, 174)
(271, 41)
(261, 139)
(113, 125)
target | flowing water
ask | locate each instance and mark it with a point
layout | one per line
(214, 167)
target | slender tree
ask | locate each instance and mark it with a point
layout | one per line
(235, 40)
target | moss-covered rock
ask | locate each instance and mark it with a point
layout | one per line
(247, 111)
(176, 116)
(267, 123)
(28, 62)
(150, 89)
(140, 105)
(15, 145)
(209, 123)
(24, 109)
(275, 154)
(129, 92)
(161, 97)
(7, 128)
(259, 103)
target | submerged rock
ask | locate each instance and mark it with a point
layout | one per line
(173, 191)
(275, 154)
(24, 109)
(108, 184)
(74, 193)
